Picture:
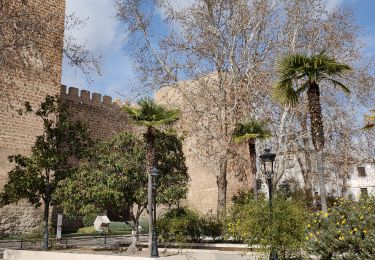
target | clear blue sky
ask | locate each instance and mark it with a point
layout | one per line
(104, 36)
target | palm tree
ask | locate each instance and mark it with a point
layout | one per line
(300, 73)
(249, 131)
(150, 115)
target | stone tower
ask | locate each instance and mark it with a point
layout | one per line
(35, 74)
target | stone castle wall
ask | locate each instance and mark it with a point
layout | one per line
(103, 117)
(197, 104)
(19, 83)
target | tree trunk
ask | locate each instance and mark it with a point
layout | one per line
(317, 134)
(47, 199)
(150, 139)
(345, 175)
(221, 181)
(253, 166)
(132, 249)
(136, 223)
(306, 151)
(45, 220)
(346, 165)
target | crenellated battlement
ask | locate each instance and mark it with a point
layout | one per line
(84, 96)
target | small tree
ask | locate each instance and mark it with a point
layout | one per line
(150, 115)
(246, 222)
(249, 131)
(114, 179)
(35, 177)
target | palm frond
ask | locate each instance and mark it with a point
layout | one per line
(285, 94)
(338, 83)
(148, 113)
(330, 66)
(251, 129)
(293, 68)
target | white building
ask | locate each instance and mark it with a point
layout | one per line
(360, 180)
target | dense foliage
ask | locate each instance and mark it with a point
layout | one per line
(248, 221)
(53, 158)
(347, 229)
(115, 179)
(183, 225)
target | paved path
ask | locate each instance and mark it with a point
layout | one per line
(71, 241)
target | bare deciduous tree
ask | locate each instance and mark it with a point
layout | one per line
(217, 60)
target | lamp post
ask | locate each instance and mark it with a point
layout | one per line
(268, 159)
(154, 243)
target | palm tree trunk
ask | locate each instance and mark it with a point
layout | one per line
(306, 151)
(317, 134)
(221, 180)
(150, 139)
(253, 166)
(322, 187)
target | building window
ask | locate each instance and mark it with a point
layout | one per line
(361, 171)
(364, 192)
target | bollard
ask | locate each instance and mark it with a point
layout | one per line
(105, 239)
(66, 241)
(21, 243)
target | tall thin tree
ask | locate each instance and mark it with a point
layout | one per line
(150, 115)
(302, 73)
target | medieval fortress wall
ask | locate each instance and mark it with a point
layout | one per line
(203, 144)
(17, 133)
(103, 117)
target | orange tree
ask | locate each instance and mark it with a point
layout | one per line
(346, 229)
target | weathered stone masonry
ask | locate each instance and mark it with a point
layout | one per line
(103, 117)
(104, 120)
(33, 84)
(17, 133)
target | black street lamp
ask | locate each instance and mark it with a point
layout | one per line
(154, 243)
(268, 159)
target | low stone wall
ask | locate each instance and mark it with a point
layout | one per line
(19, 219)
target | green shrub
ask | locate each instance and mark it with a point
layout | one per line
(347, 229)
(119, 227)
(211, 227)
(248, 221)
(86, 230)
(88, 220)
(180, 225)
(38, 233)
(143, 222)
